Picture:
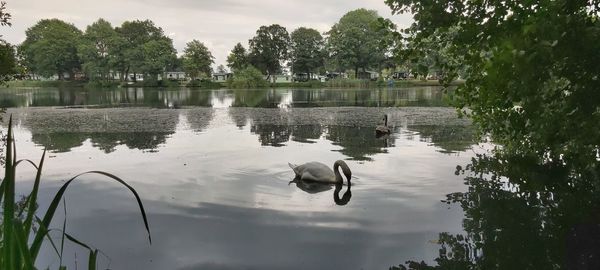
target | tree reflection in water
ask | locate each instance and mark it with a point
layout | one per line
(59, 142)
(143, 129)
(256, 98)
(306, 133)
(105, 141)
(451, 138)
(133, 140)
(524, 212)
(358, 143)
(272, 135)
(264, 98)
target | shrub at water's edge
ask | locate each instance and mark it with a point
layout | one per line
(351, 83)
(17, 249)
(249, 77)
(308, 84)
(205, 84)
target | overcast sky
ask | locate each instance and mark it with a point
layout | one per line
(220, 24)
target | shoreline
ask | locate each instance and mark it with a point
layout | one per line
(343, 84)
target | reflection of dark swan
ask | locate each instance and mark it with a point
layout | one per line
(319, 172)
(382, 130)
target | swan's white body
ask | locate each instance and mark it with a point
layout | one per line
(314, 177)
(319, 172)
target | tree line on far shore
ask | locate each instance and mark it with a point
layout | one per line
(103, 52)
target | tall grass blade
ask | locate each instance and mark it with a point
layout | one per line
(64, 228)
(21, 241)
(8, 189)
(27, 200)
(2, 191)
(32, 203)
(74, 240)
(39, 221)
(37, 242)
(26, 160)
(14, 146)
(92, 260)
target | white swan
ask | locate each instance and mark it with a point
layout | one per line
(383, 130)
(319, 172)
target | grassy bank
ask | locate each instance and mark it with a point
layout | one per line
(337, 83)
(114, 84)
(351, 83)
(424, 83)
(308, 84)
(46, 83)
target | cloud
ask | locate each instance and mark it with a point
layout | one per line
(219, 24)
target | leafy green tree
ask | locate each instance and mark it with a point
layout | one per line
(532, 84)
(157, 56)
(51, 48)
(197, 59)
(135, 34)
(221, 69)
(238, 58)
(98, 44)
(269, 48)
(116, 56)
(176, 64)
(422, 56)
(7, 52)
(7, 61)
(355, 42)
(306, 50)
(532, 66)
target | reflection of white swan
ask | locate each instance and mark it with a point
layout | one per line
(319, 172)
(317, 187)
(383, 130)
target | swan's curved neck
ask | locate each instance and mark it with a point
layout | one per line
(385, 120)
(345, 168)
(340, 181)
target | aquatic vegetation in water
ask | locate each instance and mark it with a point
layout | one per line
(20, 221)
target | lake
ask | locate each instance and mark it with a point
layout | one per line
(212, 169)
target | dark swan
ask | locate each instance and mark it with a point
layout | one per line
(383, 130)
(319, 172)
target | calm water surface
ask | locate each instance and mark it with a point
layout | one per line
(211, 168)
